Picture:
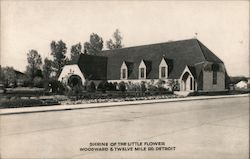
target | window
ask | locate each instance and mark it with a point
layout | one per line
(163, 69)
(214, 77)
(191, 84)
(142, 73)
(163, 72)
(215, 69)
(124, 73)
(194, 85)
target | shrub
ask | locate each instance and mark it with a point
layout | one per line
(152, 87)
(16, 103)
(122, 86)
(102, 86)
(115, 84)
(57, 87)
(109, 86)
(143, 86)
(91, 87)
(160, 83)
(76, 91)
(174, 85)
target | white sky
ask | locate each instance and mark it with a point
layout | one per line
(222, 26)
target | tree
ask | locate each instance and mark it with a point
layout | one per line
(75, 51)
(34, 63)
(8, 75)
(58, 51)
(1, 74)
(95, 44)
(116, 42)
(47, 68)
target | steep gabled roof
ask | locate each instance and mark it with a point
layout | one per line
(129, 66)
(148, 65)
(208, 55)
(92, 67)
(193, 71)
(182, 53)
(170, 64)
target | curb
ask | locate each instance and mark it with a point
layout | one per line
(12, 111)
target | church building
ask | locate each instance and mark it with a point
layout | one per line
(189, 62)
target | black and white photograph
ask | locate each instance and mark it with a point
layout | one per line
(124, 79)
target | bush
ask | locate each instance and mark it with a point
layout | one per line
(115, 86)
(143, 86)
(174, 85)
(102, 86)
(122, 86)
(75, 91)
(91, 87)
(133, 87)
(152, 87)
(110, 86)
(57, 87)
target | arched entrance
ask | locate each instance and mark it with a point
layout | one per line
(74, 80)
(187, 82)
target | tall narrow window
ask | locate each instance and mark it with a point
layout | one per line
(124, 74)
(142, 75)
(215, 69)
(191, 83)
(194, 85)
(163, 72)
(214, 77)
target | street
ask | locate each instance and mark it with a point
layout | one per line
(209, 129)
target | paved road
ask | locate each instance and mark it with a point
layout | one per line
(215, 128)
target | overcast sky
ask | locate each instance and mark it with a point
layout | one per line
(222, 26)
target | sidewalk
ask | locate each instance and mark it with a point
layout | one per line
(10, 111)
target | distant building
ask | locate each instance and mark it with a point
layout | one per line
(241, 85)
(20, 77)
(189, 62)
(11, 77)
(239, 82)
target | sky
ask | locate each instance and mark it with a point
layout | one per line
(222, 26)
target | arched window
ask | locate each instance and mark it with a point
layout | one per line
(142, 70)
(163, 69)
(124, 71)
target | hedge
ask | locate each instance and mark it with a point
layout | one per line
(17, 103)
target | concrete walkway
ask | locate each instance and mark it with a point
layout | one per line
(10, 111)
